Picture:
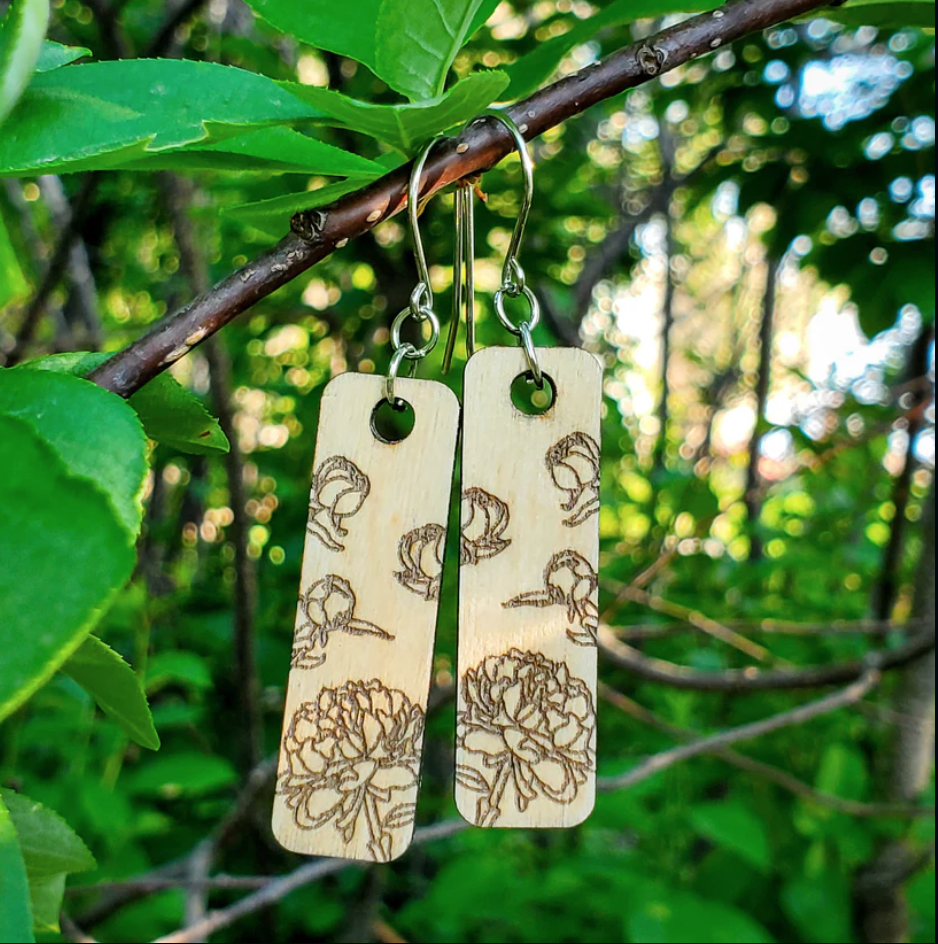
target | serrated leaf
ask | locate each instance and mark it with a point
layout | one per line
(538, 66)
(169, 412)
(114, 686)
(95, 434)
(342, 28)
(63, 551)
(49, 844)
(105, 114)
(732, 825)
(55, 55)
(417, 41)
(22, 31)
(406, 127)
(271, 150)
(16, 921)
(411, 44)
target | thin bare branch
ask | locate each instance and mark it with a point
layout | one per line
(752, 679)
(786, 719)
(780, 777)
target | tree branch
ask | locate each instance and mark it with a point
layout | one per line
(786, 719)
(752, 679)
(780, 777)
(317, 233)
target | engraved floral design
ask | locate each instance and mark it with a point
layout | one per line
(528, 724)
(327, 606)
(338, 490)
(569, 581)
(420, 553)
(484, 519)
(573, 463)
(351, 759)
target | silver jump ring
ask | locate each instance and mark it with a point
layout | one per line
(530, 355)
(405, 351)
(415, 353)
(533, 318)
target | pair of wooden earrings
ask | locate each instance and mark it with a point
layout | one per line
(372, 568)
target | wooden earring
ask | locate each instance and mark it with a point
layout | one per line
(529, 554)
(360, 670)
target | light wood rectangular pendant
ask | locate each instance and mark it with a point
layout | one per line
(362, 651)
(529, 553)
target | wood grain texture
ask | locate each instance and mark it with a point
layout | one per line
(529, 552)
(363, 644)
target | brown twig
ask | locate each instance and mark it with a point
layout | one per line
(639, 632)
(696, 619)
(386, 934)
(72, 932)
(752, 679)
(317, 233)
(279, 888)
(780, 777)
(786, 719)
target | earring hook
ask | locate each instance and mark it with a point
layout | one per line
(421, 298)
(464, 261)
(513, 280)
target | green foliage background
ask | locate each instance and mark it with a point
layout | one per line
(809, 148)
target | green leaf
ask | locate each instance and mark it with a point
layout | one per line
(411, 44)
(49, 844)
(12, 282)
(417, 41)
(176, 666)
(272, 216)
(96, 435)
(819, 907)
(55, 55)
(842, 772)
(732, 825)
(406, 127)
(63, 551)
(885, 14)
(169, 412)
(339, 27)
(183, 773)
(16, 921)
(112, 683)
(665, 916)
(538, 66)
(105, 114)
(22, 31)
(271, 150)
(45, 896)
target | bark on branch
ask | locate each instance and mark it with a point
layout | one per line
(317, 233)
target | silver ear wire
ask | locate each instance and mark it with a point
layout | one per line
(421, 298)
(463, 273)
(513, 280)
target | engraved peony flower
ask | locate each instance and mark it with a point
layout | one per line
(531, 723)
(351, 758)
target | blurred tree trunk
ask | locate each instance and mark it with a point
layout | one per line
(884, 596)
(879, 894)
(753, 499)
